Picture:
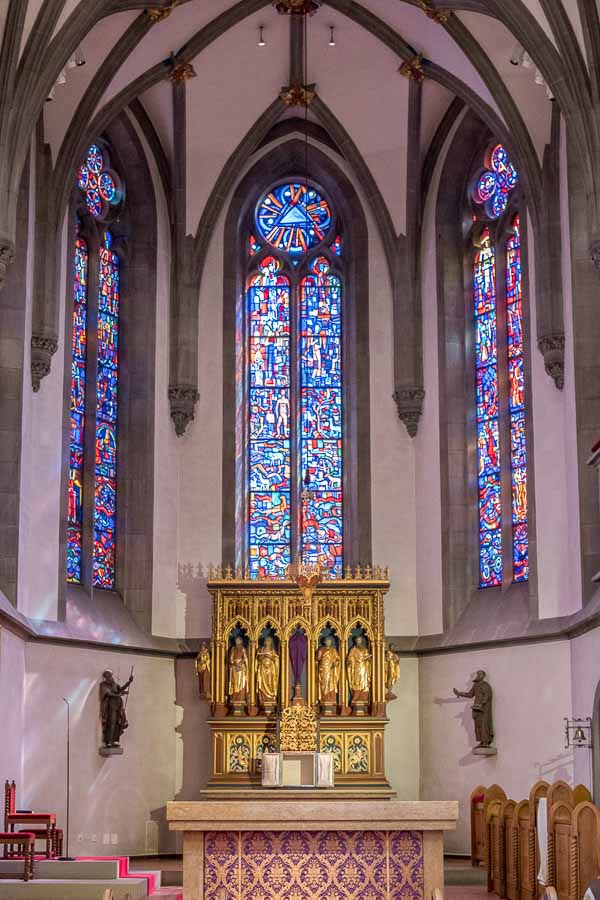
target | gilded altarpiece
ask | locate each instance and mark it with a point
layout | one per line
(342, 618)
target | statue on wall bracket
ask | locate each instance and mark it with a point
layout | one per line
(113, 712)
(481, 693)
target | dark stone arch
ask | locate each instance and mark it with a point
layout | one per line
(134, 230)
(458, 457)
(283, 161)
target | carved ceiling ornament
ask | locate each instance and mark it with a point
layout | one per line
(595, 253)
(182, 400)
(413, 69)
(440, 16)
(159, 13)
(298, 95)
(409, 401)
(297, 7)
(7, 256)
(552, 348)
(43, 348)
(182, 72)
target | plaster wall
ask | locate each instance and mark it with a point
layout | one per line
(585, 676)
(532, 693)
(12, 680)
(402, 758)
(121, 795)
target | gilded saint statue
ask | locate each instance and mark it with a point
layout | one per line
(392, 671)
(328, 663)
(267, 675)
(203, 671)
(359, 674)
(238, 676)
(481, 694)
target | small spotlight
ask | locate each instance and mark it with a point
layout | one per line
(79, 57)
(527, 61)
(516, 57)
(50, 96)
(261, 36)
(539, 78)
(62, 78)
(332, 36)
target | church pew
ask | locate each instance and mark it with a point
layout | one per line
(559, 841)
(501, 845)
(584, 850)
(524, 823)
(480, 798)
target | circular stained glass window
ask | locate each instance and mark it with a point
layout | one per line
(100, 184)
(108, 188)
(496, 182)
(293, 218)
(95, 159)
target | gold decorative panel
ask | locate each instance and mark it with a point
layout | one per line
(334, 744)
(239, 753)
(358, 754)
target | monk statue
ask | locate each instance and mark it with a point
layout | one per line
(267, 675)
(112, 709)
(328, 664)
(359, 674)
(238, 676)
(203, 671)
(392, 671)
(481, 694)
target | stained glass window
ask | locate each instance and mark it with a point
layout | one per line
(496, 182)
(294, 486)
(516, 404)
(488, 442)
(99, 183)
(293, 218)
(77, 407)
(268, 315)
(105, 472)
(321, 416)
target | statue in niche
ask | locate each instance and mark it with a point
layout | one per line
(392, 671)
(358, 667)
(267, 675)
(481, 693)
(238, 676)
(112, 712)
(203, 671)
(328, 664)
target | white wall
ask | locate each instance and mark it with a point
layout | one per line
(532, 694)
(12, 679)
(402, 757)
(116, 795)
(585, 675)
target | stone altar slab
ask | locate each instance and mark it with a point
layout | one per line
(305, 850)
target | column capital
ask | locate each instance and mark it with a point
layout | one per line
(409, 401)
(552, 348)
(43, 348)
(182, 401)
(7, 257)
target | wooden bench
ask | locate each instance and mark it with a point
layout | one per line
(46, 822)
(479, 801)
(25, 842)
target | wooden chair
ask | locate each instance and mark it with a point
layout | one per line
(496, 862)
(480, 798)
(24, 841)
(511, 851)
(47, 832)
(584, 851)
(524, 822)
(559, 842)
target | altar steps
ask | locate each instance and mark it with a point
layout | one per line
(73, 889)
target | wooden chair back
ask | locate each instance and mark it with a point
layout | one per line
(524, 822)
(559, 792)
(585, 848)
(480, 798)
(496, 870)
(511, 851)
(10, 801)
(581, 795)
(559, 841)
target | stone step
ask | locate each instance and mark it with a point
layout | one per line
(49, 869)
(62, 889)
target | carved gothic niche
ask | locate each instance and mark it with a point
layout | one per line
(409, 401)
(182, 401)
(552, 348)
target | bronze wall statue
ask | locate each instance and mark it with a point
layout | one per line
(112, 712)
(481, 693)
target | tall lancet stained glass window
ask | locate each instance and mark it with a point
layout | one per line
(496, 414)
(105, 473)
(77, 406)
(294, 383)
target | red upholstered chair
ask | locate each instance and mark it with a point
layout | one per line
(12, 817)
(25, 842)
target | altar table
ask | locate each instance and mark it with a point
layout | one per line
(308, 849)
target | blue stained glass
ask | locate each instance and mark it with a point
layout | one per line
(269, 362)
(336, 247)
(253, 246)
(321, 417)
(487, 393)
(94, 159)
(100, 187)
(269, 517)
(516, 404)
(77, 408)
(293, 218)
(106, 417)
(488, 443)
(496, 182)
(321, 412)
(269, 453)
(269, 465)
(269, 413)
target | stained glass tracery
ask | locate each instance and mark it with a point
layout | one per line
(293, 218)
(105, 472)
(496, 182)
(77, 408)
(99, 183)
(488, 443)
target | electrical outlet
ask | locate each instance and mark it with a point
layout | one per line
(80, 838)
(114, 838)
(94, 838)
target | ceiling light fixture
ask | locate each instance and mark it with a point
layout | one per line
(62, 78)
(516, 57)
(332, 35)
(79, 57)
(261, 36)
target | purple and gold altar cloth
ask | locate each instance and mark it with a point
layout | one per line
(313, 865)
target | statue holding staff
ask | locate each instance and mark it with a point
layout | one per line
(267, 674)
(328, 664)
(238, 674)
(359, 670)
(112, 708)
(203, 671)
